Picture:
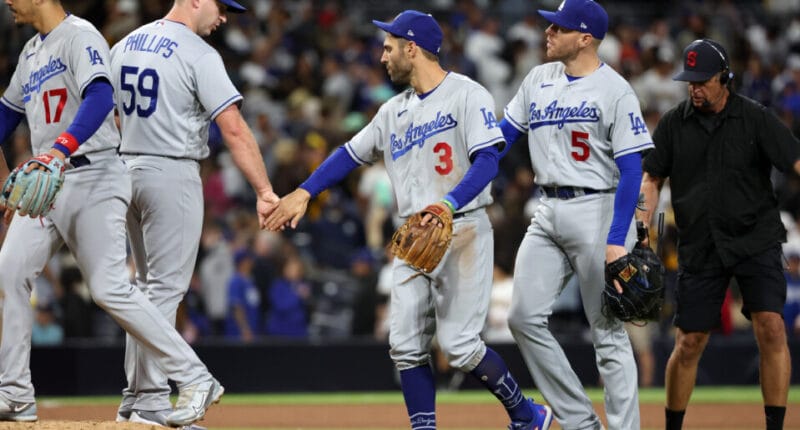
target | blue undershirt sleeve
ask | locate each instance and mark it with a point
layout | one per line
(510, 133)
(9, 120)
(98, 100)
(330, 172)
(482, 171)
(630, 179)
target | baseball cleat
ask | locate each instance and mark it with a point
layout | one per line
(17, 411)
(125, 408)
(542, 418)
(156, 418)
(123, 415)
(193, 401)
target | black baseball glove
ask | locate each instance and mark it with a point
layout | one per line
(641, 276)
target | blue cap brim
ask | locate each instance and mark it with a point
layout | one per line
(555, 19)
(385, 26)
(233, 6)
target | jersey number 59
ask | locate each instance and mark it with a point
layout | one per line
(146, 87)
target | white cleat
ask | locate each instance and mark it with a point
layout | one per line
(193, 401)
(17, 411)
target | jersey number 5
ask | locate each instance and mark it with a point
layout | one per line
(445, 153)
(581, 145)
(147, 86)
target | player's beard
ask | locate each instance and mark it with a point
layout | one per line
(400, 71)
(559, 54)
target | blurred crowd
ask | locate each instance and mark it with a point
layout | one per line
(310, 74)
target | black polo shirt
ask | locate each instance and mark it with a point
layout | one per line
(719, 170)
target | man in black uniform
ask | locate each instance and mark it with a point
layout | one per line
(718, 149)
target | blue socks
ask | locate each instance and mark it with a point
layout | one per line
(494, 375)
(419, 392)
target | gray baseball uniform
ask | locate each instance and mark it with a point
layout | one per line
(426, 144)
(88, 214)
(576, 128)
(170, 84)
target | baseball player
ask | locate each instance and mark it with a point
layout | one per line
(585, 132)
(439, 140)
(170, 85)
(62, 87)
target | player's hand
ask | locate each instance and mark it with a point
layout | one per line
(428, 216)
(265, 205)
(290, 210)
(614, 253)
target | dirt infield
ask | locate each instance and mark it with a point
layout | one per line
(450, 416)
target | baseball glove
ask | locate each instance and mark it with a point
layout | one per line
(32, 192)
(641, 276)
(423, 247)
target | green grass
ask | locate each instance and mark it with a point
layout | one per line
(737, 394)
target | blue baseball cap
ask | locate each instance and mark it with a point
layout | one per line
(417, 27)
(585, 16)
(233, 6)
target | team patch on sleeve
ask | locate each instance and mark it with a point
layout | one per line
(489, 119)
(94, 56)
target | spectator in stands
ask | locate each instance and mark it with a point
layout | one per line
(287, 296)
(75, 304)
(244, 320)
(192, 319)
(46, 330)
(215, 268)
(365, 276)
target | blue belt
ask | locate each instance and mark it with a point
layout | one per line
(566, 193)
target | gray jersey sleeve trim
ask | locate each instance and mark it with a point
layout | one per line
(353, 155)
(485, 145)
(92, 79)
(225, 104)
(12, 105)
(514, 122)
(634, 149)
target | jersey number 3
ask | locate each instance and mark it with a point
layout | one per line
(445, 153)
(146, 88)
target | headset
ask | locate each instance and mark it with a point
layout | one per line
(726, 76)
